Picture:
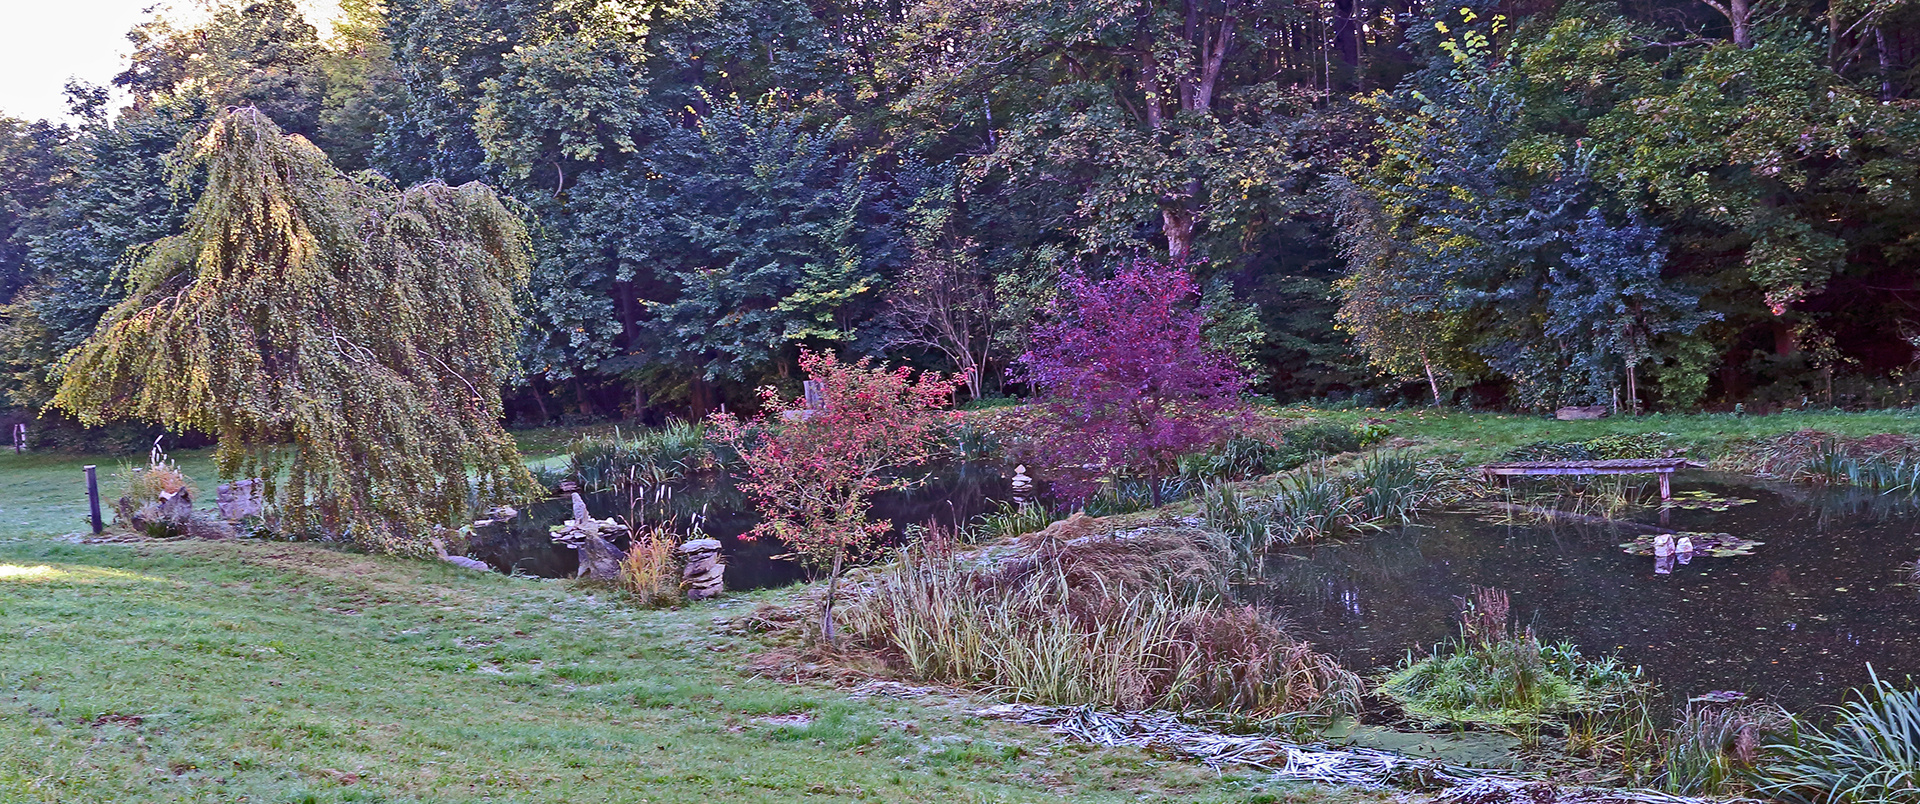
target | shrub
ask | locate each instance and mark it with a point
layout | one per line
(1041, 635)
(813, 471)
(1872, 754)
(1127, 381)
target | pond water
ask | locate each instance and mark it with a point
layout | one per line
(1796, 622)
(949, 495)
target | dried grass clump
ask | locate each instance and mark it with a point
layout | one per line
(1822, 457)
(1123, 564)
(1058, 632)
(650, 572)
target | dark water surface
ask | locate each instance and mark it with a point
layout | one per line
(950, 495)
(1795, 623)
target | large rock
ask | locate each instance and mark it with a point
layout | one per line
(705, 572)
(1580, 412)
(593, 540)
(240, 499)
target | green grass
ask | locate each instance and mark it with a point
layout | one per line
(46, 493)
(274, 672)
(1484, 436)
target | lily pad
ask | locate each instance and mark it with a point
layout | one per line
(1717, 545)
(1704, 501)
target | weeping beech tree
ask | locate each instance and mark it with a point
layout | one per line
(344, 338)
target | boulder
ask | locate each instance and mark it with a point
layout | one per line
(705, 572)
(1581, 412)
(240, 499)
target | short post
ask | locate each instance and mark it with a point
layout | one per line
(19, 438)
(1666, 486)
(93, 498)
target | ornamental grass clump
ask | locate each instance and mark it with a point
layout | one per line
(1046, 632)
(344, 341)
(650, 572)
(1716, 748)
(1871, 754)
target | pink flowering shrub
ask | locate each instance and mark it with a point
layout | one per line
(813, 472)
(1126, 381)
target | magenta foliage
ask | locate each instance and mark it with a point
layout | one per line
(1126, 380)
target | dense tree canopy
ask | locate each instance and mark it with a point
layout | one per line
(1679, 202)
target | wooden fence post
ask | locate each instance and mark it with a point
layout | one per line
(93, 498)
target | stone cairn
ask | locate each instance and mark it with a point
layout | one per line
(593, 539)
(1022, 487)
(705, 569)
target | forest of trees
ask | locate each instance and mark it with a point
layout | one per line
(1521, 204)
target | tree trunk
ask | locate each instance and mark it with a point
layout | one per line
(1433, 381)
(1633, 391)
(1177, 221)
(1346, 39)
(540, 401)
(1886, 64)
(826, 611)
(699, 396)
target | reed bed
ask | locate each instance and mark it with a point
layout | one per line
(1314, 502)
(1716, 748)
(1010, 520)
(1045, 632)
(617, 461)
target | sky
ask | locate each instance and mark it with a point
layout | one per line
(45, 42)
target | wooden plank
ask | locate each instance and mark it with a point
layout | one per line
(1627, 466)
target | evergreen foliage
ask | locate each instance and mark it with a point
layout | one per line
(350, 336)
(1391, 201)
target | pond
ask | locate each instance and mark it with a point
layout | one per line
(1796, 622)
(949, 495)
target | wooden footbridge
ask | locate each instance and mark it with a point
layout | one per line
(1664, 467)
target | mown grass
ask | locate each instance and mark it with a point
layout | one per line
(1486, 436)
(258, 671)
(197, 671)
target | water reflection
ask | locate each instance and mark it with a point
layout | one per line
(1795, 622)
(947, 495)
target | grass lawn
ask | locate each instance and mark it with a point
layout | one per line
(278, 672)
(1484, 436)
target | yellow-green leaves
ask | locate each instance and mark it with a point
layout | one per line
(348, 339)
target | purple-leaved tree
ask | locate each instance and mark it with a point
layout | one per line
(1125, 379)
